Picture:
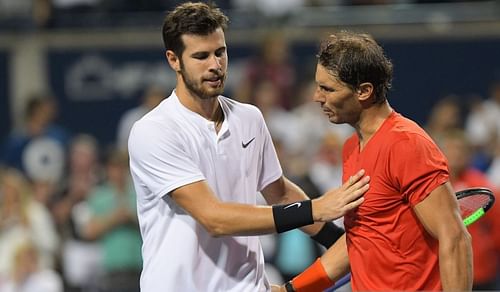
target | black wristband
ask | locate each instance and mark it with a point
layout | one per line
(328, 234)
(291, 216)
(289, 287)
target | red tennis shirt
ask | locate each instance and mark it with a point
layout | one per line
(388, 247)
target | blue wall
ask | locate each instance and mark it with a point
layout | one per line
(426, 71)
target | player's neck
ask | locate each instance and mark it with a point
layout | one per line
(371, 120)
(206, 107)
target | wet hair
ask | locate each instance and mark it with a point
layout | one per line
(357, 58)
(191, 18)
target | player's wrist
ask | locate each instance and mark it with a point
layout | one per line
(328, 234)
(289, 287)
(291, 216)
(312, 279)
(317, 212)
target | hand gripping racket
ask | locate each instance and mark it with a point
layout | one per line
(473, 203)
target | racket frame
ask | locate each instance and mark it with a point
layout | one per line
(480, 212)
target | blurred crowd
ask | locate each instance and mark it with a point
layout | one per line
(42, 14)
(67, 207)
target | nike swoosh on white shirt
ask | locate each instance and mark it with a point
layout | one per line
(298, 204)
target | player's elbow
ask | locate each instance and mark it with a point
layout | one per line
(463, 240)
(215, 226)
(455, 239)
(217, 232)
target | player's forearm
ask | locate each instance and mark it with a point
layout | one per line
(225, 218)
(323, 273)
(283, 191)
(239, 219)
(455, 262)
(336, 260)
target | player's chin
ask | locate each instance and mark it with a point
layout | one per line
(334, 119)
(215, 91)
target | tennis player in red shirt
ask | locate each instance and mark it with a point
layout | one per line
(408, 234)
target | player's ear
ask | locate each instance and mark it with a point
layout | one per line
(173, 60)
(364, 91)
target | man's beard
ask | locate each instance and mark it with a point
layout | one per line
(197, 89)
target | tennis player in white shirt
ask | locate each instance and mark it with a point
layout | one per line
(198, 161)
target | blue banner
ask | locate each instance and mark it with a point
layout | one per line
(95, 87)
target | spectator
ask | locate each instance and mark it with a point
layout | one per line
(267, 99)
(445, 115)
(272, 64)
(23, 218)
(113, 223)
(38, 149)
(27, 276)
(494, 169)
(483, 127)
(326, 169)
(82, 176)
(79, 259)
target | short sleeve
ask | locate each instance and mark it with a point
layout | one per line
(417, 167)
(159, 160)
(271, 168)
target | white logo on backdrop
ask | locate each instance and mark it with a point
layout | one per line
(94, 78)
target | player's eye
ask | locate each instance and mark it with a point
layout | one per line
(200, 56)
(327, 89)
(220, 52)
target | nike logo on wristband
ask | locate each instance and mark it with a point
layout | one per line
(245, 145)
(298, 204)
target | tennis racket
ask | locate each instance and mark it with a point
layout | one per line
(473, 203)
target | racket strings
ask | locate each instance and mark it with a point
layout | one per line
(472, 203)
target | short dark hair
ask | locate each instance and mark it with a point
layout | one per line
(355, 58)
(191, 18)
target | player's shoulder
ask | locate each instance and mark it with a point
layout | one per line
(163, 114)
(159, 122)
(237, 105)
(351, 141)
(403, 128)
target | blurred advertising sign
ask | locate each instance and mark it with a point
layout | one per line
(95, 87)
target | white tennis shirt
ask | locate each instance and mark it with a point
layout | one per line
(172, 146)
